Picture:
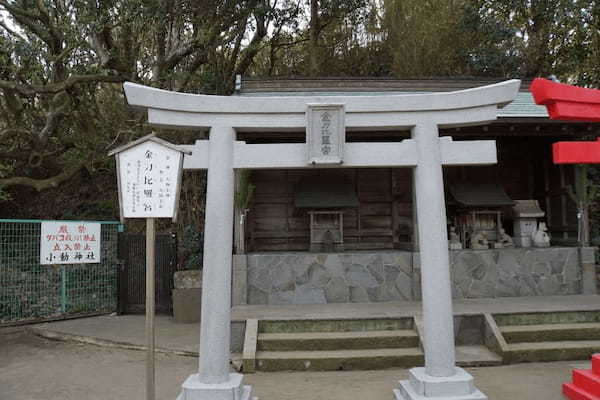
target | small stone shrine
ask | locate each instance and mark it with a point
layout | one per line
(525, 216)
(478, 211)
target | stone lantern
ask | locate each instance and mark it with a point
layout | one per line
(525, 219)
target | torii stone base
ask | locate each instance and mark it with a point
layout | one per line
(234, 389)
(421, 386)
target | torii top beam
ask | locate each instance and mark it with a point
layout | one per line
(567, 102)
(570, 103)
(449, 109)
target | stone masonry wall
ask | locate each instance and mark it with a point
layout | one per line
(308, 278)
(516, 272)
(315, 278)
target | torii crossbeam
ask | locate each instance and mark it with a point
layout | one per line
(425, 153)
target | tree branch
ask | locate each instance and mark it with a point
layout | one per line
(8, 131)
(248, 54)
(28, 19)
(60, 104)
(53, 88)
(10, 31)
(42, 184)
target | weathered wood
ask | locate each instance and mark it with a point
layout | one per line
(376, 222)
(385, 195)
(374, 209)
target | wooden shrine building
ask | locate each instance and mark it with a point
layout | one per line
(348, 235)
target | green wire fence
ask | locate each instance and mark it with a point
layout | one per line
(32, 292)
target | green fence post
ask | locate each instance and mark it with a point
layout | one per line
(63, 289)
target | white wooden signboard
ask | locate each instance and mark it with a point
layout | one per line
(63, 242)
(149, 176)
(325, 133)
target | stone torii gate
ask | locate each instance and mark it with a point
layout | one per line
(325, 118)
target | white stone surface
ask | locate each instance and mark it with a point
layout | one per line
(356, 155)
(146, 97)
(438, 335)
(233, 389)
(449, 109)
(217, 262)
(420, 385)
(431, 386)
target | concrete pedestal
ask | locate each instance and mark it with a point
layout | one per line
(186, 303)
(421, 386)
(232, 389)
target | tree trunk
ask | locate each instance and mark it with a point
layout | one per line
(584, 225)
(314, 38)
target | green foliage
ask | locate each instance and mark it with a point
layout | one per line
(585, 192)
(4, 171)
(583, 195)
(425, 37)
(62, 64)
(245, 190)
(191, 248)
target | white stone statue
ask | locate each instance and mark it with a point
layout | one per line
(454, 241)
(505, 241)
(540, 236)
(479, 241)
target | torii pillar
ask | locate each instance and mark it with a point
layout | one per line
(425, 152)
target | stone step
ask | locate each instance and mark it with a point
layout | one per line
(354, 340)
(551, 351)
(335, 325)
(551, 332)
(540, 318)
(338, 360)
(476, 356)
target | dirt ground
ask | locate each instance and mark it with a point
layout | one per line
(32, 368)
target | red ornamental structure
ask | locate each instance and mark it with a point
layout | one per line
(586, 382)
(571, 103)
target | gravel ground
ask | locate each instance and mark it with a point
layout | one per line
(32, 368)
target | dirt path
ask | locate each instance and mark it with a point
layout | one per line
(37, 369)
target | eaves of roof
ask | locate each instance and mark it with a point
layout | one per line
(522, 107)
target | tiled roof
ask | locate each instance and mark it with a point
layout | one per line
(522, 107)
(480, 195)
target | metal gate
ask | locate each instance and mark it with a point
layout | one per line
(132, 276)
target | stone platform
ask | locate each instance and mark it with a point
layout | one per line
(382, 276)
(353, 336)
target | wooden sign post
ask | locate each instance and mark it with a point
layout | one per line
(149, 177)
